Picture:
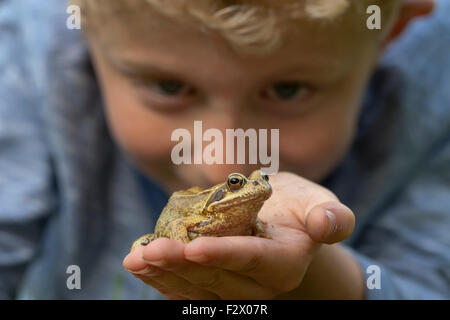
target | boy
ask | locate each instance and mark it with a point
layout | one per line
(300, 66)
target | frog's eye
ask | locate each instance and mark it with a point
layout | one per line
(265, 177)
(235, 182)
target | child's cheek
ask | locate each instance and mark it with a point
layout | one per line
(140, 136)
(139, 131)
(135, 128)
(314, 151)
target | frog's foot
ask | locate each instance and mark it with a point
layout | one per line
(259, 230)
(143, 241)
(193, 235)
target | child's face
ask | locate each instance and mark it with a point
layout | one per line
(160, 75)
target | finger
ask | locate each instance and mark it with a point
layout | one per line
(169, 295)
(270, 263)
(161, 250)
(223, 283)
(185, 276)
(133, 261)
(330, 222)
(300, 195)
(155, 253)
(145, 263)
(326, 218)
(170, 284)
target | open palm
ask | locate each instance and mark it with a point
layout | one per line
(299, 216)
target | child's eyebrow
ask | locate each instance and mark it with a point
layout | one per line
(329, 70)
(133, 68)
(136, 67)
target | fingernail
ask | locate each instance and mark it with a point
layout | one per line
(146, 270)
(156, 263)
(331, 223)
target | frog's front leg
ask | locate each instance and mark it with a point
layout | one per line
(180, 229)
(259, 229)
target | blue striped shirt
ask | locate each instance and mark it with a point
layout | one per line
(68, 196)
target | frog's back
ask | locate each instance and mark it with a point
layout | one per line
(181, 205)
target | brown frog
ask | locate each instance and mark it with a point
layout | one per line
(227, 209)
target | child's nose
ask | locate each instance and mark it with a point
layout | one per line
(227, 115)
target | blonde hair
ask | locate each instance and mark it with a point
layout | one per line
(257, 26)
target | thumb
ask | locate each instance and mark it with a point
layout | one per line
(330, 222)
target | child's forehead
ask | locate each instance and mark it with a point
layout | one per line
(143, 25)
(246, 30)
(182, 49)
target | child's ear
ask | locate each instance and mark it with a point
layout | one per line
(409, 10)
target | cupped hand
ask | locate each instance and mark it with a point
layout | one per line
(299, 217)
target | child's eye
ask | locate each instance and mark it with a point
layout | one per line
(287, 98)
(286, 91)
(165, 95)
(169, 88)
